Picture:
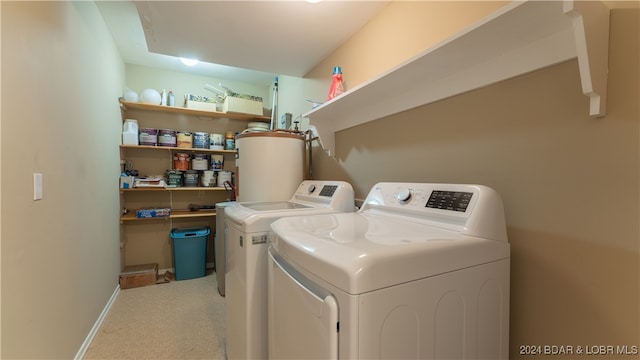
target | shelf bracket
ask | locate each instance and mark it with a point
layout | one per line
(591, 32)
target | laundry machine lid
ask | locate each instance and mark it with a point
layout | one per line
(311, 197)
(361, 252)
(274, 205)
(251, 220)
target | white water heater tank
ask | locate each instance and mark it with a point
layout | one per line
(269, 165)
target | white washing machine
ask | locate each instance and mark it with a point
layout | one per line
(248, 226)
(421, 271)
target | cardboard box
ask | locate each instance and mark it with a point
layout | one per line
(138, 275)
(199, 105)
(242, 106)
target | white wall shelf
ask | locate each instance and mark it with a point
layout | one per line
(519, 38)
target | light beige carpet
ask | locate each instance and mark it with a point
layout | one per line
(177, 320)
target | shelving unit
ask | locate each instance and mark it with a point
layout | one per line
(151, 189)
(145, 240)
(519, 38)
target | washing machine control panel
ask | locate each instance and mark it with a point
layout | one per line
(428, 197)
(439, 199)
(450, 205)
(335, 194)
(449, 200)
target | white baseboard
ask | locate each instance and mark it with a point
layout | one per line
(96, 326)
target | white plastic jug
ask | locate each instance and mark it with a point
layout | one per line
(130, 132)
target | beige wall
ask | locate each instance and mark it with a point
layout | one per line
(61, 77)
(570, 182)
(141, 77)
(402, 30)
(575, 270)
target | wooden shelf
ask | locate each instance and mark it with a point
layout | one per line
(127, 105)
(175, 214)
(182, 188)
(518, 38)
(154, 160)
(177, 149)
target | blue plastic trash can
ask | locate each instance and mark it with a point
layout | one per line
(190, 252)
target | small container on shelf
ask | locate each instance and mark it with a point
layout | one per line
(200, 162)
(185, 139)
(208, 178)
(337, 87)
(181, 161)
(229, 141)
(167, 137)
(217, 162)
(191, 178)
(216, 141)
(130, 132)
(174, 178)
(149, 136)
(200, 140)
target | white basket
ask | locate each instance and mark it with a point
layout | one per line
(241, 106)
(199, 105)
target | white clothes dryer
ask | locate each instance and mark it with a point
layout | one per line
(420, 271)
(248, 231)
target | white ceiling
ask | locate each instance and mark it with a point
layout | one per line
(249, 41)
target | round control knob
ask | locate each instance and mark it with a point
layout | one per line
(404, 195)
(312, 188)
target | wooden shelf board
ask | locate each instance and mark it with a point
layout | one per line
(193, 112)
(175, 214)
(182, 188)
(173, 148)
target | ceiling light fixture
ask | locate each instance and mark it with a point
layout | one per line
(313, 1)
(189, 62)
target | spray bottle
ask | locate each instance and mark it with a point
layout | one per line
(336, 83)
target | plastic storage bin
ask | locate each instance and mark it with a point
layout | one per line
(190, 252)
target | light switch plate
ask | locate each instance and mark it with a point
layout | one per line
(37, 186)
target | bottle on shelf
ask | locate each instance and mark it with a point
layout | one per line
(130, 132)
(163, 97)
(229, 141)
(337, 87)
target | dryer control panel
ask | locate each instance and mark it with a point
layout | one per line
(476, 210)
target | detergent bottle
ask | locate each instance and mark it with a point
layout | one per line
(130, 132)
(336, 83)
